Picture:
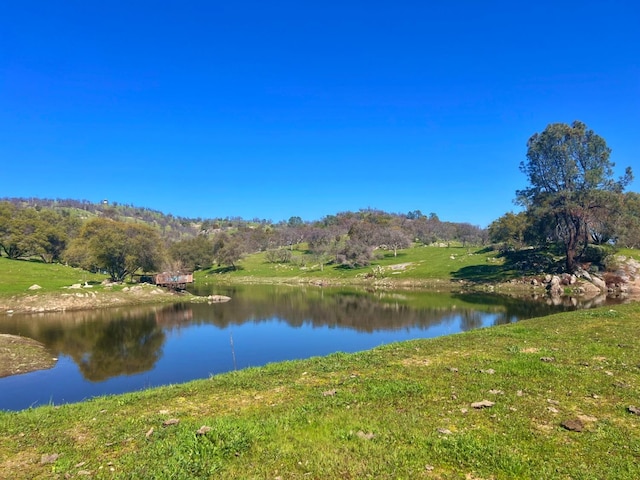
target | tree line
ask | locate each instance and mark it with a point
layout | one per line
(123, 240)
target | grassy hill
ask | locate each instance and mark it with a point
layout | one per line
(16, 276)
(420, 263)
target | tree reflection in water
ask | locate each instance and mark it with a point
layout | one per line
(112, 342)
(121, 347)
(103, 343)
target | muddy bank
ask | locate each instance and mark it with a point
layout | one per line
(90, 299)
(23, 355)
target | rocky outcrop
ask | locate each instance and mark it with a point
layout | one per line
(621, 279)
(623, 276)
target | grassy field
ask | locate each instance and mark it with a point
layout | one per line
(421, 264)
(400, 411)
(16, 276)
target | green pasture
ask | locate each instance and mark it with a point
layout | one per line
(422, 263)
(16, 276)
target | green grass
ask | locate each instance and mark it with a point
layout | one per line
(16, 276)
(630, 252)
(399, 411)
(420, 263)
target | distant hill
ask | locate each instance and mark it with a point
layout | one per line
(172, 227)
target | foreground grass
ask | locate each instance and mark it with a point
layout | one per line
(399, 411)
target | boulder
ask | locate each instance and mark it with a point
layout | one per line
(598, 282)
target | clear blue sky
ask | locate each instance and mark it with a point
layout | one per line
(273, 109)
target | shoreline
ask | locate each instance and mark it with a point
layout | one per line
(142, 294)
(19, 355)
(86, 298)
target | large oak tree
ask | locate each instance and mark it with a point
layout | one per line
(571, 184)
(120, 248)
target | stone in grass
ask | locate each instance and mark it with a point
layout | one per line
(634, 410)
(203, 430)
(573, 425)
(45, 459)
(171, 421)
(483, 404)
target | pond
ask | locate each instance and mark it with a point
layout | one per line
(118, 350)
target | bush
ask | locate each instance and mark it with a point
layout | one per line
(278, 255)
(597, 254)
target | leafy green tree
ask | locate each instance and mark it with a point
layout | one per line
(278, 255)
(295, 222)
(27, 232)
(22, 234)
(509, 229)
(628, 222)
(57, 230)
(227, 250)
(193, 253)
(120, 248)
(570, 178)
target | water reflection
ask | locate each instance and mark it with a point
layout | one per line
(180, 342)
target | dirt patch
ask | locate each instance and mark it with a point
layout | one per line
(416, 362)
(22, 355)
(400, 266)
(530, 350)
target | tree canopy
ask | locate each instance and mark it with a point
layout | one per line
(571, 185)
(120, 248)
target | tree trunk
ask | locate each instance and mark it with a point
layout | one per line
(571, 262)
(571, 247)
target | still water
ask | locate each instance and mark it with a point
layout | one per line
(126, 349)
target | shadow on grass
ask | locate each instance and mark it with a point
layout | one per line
(517, 264)
(388, 254)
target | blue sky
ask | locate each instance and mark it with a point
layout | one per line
(277, 109)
